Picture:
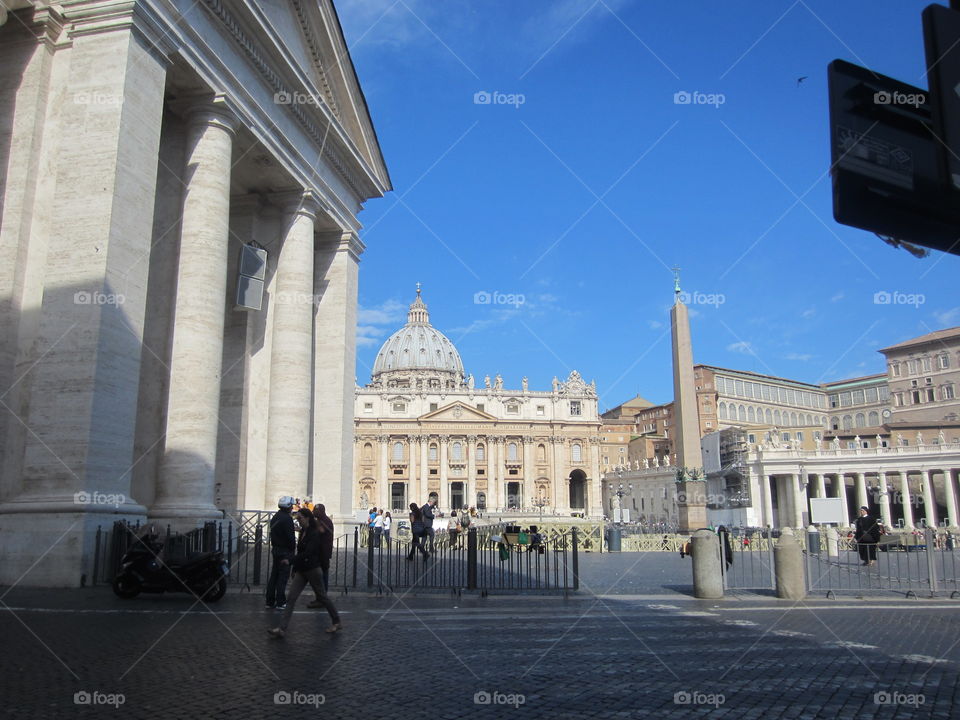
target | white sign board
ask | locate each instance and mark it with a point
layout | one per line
(621, 516)
(827, 510)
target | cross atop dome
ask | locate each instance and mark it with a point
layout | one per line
(418, 314)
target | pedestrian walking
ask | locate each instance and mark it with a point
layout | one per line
(283, 547)
(726, 551)
(428, 515)
(417, 532)
(306, 566)
(866, 532)
(326, 537)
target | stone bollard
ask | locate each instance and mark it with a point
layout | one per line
(813, 540)
(833, 542)
(707, 576)
(788, 567)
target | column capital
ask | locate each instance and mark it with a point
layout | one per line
(209, 110)
(299, 201)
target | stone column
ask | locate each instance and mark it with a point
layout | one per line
(798, 498)
(818, 488)
(886, 517)
(860, 484)
(420, 495)
(334, 361)
(471, 471)
(291, 362)
(383, 471)
(528, 484)
(841, 492)
(768, 518)
(906, 500)
(444, 478)
(185, 483)
(561, 490)
(950, 495)
(414, 450)
(929, 502)
(78, 200)
(497, 472)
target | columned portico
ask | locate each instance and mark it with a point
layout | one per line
(906, 499)
(950, 495)
(929, 501)
(185, 484)
(884, 486)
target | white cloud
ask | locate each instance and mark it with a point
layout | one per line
(808, 313)
(740, 347)
(948, 318)
(375, 322)
(838, 297)
(800, 357)
(654, 324)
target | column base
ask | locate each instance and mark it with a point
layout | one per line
(183, 518)
(48, 547)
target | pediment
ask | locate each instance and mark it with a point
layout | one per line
(311, 34)
(457, 412)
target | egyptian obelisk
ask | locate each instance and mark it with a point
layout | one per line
(691, 494)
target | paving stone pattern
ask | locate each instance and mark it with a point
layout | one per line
(435, 655)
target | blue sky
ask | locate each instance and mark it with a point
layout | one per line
(578, 197)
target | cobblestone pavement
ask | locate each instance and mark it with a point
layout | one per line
(442, 656)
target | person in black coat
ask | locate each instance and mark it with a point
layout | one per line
(283, 546)
(866, 532)
(306, 566)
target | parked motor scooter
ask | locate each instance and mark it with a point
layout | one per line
(144, 569)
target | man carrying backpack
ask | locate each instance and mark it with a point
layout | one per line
(283, 546)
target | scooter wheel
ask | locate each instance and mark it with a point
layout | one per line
(215, 592)
(126, 587)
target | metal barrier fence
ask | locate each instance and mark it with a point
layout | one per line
(476, 560)
(925, 563)
(749, 563)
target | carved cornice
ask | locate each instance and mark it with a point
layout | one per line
(316, 55)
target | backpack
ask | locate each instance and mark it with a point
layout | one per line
(465, 520)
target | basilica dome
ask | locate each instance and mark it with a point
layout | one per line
(418, 350)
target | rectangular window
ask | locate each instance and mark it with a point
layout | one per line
(858, 397)
(433, 452)
(845, 399)
(834, 401)
(433, 406)
(948, 392)
(368, 407)
(915, 396)
(751, 438)
(481, 471)
(800, 436)
(927, 365)
(871, 395)
(433, 471)
(480, 407)
(575, 407)
(943, 361)
(895, 369)
(884, 393)
(766, 392)
(739, 387)
(513, 409)
(541, 410)
(930, 396)
(399, 407)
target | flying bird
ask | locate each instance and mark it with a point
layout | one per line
(801, 79)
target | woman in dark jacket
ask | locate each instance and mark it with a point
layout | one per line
(417, 531)
(325, 527)
(306, 565)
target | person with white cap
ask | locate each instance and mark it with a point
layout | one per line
(283, 547)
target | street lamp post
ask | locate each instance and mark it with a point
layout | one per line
(620, 493)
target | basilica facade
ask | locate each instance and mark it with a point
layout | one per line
(423, 425)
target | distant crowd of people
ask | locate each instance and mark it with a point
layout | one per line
(424, 521)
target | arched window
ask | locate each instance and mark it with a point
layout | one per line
(793, 419)
(751, 415)
(576, 452)
(834, 423)
(847, 422)
(456, 451)
(368, 451)
(742, 413)
(511, 451)
(768, 416)
(541, 453)
(433, 452)
(777, 419)
(398, 451)
(722, 411)
(481, 453)
(874, 418)
(861, 420)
